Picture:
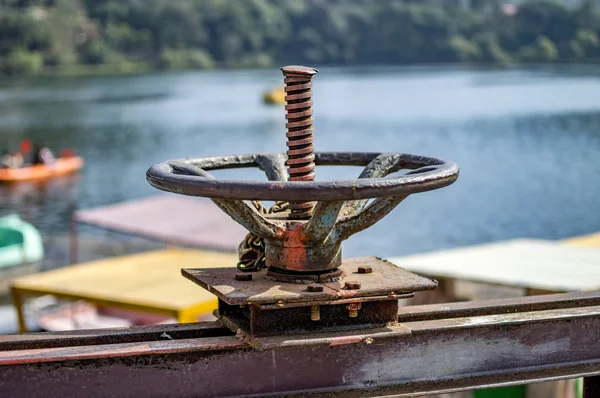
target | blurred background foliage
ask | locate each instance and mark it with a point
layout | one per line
(88, 36)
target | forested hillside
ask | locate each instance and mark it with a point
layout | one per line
(81, 36)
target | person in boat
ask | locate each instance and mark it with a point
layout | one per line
(11, 160)
(25, 150)
(5, 159)
(43, 155)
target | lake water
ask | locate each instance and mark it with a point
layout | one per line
(527, 142)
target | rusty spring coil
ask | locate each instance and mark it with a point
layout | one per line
(251, 251)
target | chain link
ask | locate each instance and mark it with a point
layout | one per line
(252, 249)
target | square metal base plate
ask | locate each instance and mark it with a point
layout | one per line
(386, 279)
(263, 307)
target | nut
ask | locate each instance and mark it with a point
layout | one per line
(242, 276)
(353, 309)
(314, 288)
(365, 270)
(352, 285)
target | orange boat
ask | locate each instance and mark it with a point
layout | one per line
(62, 166)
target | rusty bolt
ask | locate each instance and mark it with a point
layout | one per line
(352, 285)
(243, 276)
(314, 288)
(315, 313)
(365, 270)
(353, 309)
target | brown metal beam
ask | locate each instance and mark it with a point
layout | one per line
(501, 306)
(421, 357)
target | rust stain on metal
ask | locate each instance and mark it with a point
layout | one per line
(345, 340)
(296, 255)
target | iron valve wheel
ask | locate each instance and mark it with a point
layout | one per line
(191, 177)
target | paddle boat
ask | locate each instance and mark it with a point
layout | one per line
(21, 250)
(67, 163)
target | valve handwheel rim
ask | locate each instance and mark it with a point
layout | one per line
(190, 177)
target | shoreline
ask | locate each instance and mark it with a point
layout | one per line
(142, 68)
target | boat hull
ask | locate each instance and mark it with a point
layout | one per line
(62, 166)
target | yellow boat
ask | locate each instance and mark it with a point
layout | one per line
(275, 96)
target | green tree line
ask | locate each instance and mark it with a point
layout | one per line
(65, 36)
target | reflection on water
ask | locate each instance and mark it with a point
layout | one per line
(526, 141)
(47, 204)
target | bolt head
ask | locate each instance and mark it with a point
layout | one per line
(243, 276)
(314, 288)
(365, 270)
(352, 285)
(299, 70)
